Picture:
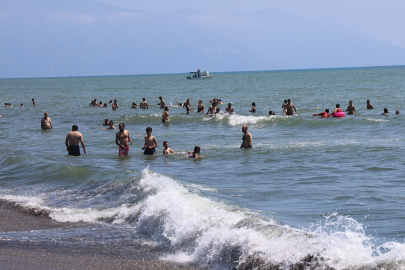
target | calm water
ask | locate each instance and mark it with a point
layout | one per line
(332, 188)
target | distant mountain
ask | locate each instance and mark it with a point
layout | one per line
(86, 37)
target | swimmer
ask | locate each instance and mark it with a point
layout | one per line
(289, 108)
(95, 102)
(229, 109)
(115, 105)
(101, 104)
(46, 122)
(284, 107)
(33, 102)
(337, 109)
(397, 112)
(165, 115)
(121, 139)
(195, 153)
(187, 104)
(111, 126)
(22, 105)
(271, 113)
(167, 150)
(72, 142)
(220, 102)
(385, 112)
(324, 114)
(351, 109)
(134, 105)
(201, 107)
(162, 103)
(105, 105)
(150, 143)
(212, 109)
(218, 111)
(111, 101)
(369, 105)
(144, 104)
(253, 110)
(106, 122)
(246, 139)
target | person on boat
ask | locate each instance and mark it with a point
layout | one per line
(271, 113)
(201, 107)
(337, 109)
(253, 110)
(199, 73)
(229, 109)
(324, 114)
(195, 153)
(289, 108)
(351, 109)
(369, 105)
(385, 112)
(144, 104)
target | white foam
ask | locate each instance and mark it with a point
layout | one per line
(377, 120)
(206, 231)
(236, 120)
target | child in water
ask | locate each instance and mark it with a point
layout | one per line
(167, 150)
(195, 153)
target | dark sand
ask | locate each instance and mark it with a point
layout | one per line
(51, 255)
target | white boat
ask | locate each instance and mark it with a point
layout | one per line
(199, 75)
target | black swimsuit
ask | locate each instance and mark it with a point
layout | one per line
(74, 150)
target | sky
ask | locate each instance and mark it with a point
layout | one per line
(378, 19)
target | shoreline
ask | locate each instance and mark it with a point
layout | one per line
(53, 255)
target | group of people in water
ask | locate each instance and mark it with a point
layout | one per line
(123, 140)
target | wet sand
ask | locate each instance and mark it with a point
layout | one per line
(32, 255)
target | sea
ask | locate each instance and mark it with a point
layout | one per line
(329, 192)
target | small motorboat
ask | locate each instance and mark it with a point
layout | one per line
(199, 75)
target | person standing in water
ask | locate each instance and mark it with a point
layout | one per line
(229, 109)
(253, 110)
(212, 109)
(72, 142)
(46, 122)
(351, 109)
(121, 139)
(144, 104)
(165, 115)
(369, 105)
(33, 102)
(289, 108)
(284, 107)
(167, 150)
(162, 103)
(201, 107)
(150, 143)
(246, 139)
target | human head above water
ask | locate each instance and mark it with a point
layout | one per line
(148, 130)
(75, 128)
(327, 110)
(385, 110)
(338, 105)
(397, 112)
(197, 149)
(165, 144)
(254, 104)
(121, 126)
(166, 108)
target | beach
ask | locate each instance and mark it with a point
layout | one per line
(311, 192)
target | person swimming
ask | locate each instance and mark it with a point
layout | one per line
(271, 113)
(253, 110)
(385, 112)
(337, 109)
(201, 107)
(324, 114)
(195, 153)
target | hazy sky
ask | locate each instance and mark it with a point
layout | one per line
(379, 19)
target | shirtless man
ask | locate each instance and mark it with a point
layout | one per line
(246, 139)
(121, 139)
(134, 105)
(33, 102)
(369, 105)
(165, 115)
(212, 109)
(114, 105)
(351, 109)
(46, 122)
(162, 103)
(229, 109)
(72, 142)
(289, 108)
(144, 104)
(187, 104)
(150, 143)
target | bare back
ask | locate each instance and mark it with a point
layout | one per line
(74, 138)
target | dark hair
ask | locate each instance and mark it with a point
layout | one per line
(217, 109)
(111, 121)
(270, 112)
(285, 101)
(229, 105)
(165, 142)
(254, 104)
(327, 110)
(166, 108)
(385, 110)
(288, 100)
(32, 99)
(338, 105)
(75, 128)
(149, 129)
(123, 125)
(368, 101)
(160, 97)
(143, 99)
(196, 149)
(397, 112)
